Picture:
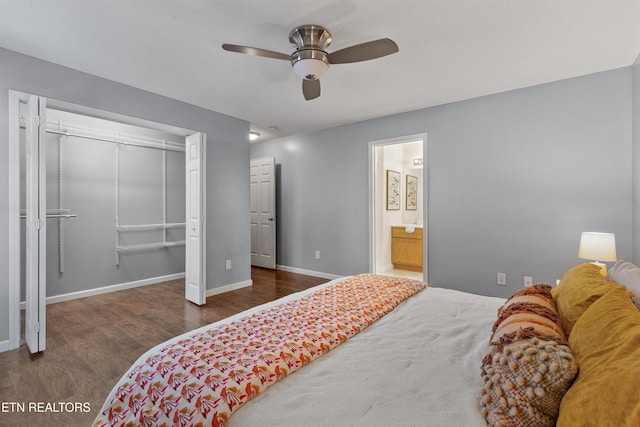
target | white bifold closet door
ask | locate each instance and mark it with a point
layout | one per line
(195, 284)
(36, 272)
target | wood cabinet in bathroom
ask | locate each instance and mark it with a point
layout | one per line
(406, 249)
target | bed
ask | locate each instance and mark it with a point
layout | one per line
(429, 360)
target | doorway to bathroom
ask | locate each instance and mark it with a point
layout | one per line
(398, 238)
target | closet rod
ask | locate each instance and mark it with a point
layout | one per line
(115, 141)
(57, 127)
(56, 216)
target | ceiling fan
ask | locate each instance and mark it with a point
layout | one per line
(310, 60)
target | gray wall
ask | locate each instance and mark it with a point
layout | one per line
(513, 179)
(227, 157)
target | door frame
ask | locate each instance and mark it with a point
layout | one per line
(373, 201)
(15, 97)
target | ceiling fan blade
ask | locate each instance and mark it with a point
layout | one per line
(364, 51)
(256, 51)
(311, 89)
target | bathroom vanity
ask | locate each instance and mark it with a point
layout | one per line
(406, 248)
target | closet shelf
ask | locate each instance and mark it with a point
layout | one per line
(142, 227)
(147, 246)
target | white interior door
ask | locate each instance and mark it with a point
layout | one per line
(35, 310)
(195, 288)
(263, 212)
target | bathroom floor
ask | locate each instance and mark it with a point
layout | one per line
(415, 275)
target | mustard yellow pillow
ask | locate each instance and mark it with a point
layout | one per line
(606, 343)
(579, 288)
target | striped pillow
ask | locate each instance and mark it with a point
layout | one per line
(529, 312)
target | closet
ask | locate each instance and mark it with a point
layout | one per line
(115, 205)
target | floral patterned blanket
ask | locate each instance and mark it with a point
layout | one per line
(204, 378)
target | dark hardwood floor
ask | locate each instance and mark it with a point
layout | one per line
(92, 341)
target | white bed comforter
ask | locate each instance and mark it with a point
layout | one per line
(417, 366)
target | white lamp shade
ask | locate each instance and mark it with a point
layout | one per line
(598, 246)
(310, 68)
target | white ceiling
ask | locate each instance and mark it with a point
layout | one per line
(450, 50)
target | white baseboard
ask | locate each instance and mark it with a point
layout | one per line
(4, 346)
(308, 272)
(151, 281)
(107, 289)
(386, 268)
(227, 288)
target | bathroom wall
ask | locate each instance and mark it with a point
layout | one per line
(410, 151)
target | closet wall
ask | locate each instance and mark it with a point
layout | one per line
(110, 187)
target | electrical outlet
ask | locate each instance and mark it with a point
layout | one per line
(227, 264)
(502, 279)
(317, 254)
(528, 281)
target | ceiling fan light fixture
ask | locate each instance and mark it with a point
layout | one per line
(310, 68)
(310, 61)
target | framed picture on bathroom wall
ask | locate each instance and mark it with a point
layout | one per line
(393, 190)
(411, 192)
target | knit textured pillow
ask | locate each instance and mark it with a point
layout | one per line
(529, 312)
(529, 366)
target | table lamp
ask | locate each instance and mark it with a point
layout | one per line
(598, 247)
